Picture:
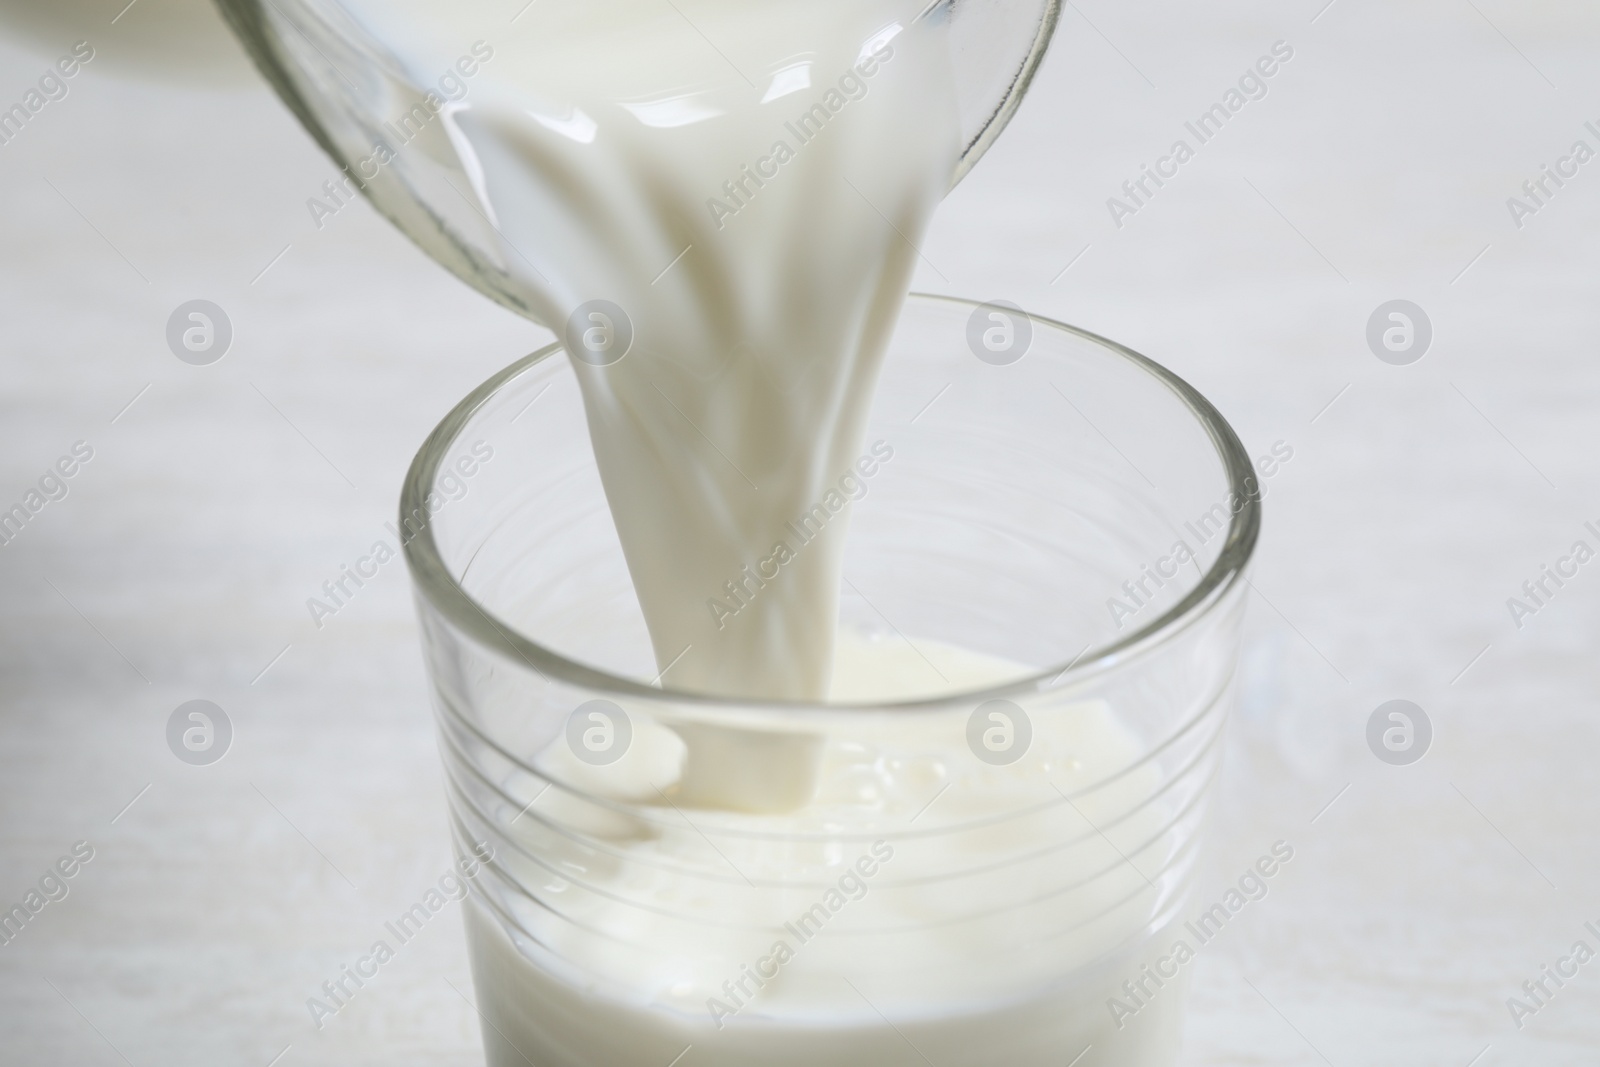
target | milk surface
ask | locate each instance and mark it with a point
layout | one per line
(990, 911)
(746, 180)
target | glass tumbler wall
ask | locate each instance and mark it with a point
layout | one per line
(942, 873)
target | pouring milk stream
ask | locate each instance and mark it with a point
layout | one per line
(721, 217)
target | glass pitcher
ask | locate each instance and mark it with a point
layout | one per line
(354, 92)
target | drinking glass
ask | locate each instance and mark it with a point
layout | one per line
(959, 873)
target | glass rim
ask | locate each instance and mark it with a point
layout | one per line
(444, 593)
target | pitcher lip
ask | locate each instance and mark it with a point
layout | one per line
(444, 593)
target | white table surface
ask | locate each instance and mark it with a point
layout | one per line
(1377, 167)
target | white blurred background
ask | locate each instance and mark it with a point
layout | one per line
(1419, 498)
